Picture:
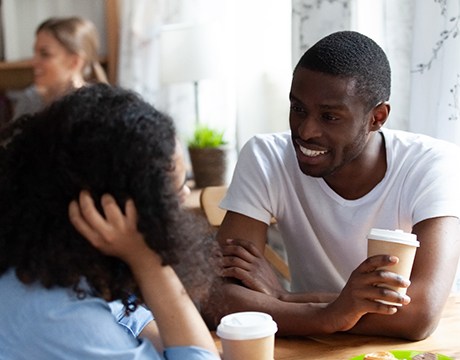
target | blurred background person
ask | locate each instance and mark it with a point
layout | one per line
(65, 58)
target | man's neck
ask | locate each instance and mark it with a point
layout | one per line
(360, 177)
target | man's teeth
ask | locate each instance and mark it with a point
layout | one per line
(311, 153)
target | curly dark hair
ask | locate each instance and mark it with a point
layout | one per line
(349, 54)
(106, 140)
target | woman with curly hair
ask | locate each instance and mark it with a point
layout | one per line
(61, 265)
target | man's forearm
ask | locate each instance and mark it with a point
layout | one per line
(308, 297)
(293, 318)
(314, 314)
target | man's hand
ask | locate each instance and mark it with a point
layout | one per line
(243, 261)
(363, 288)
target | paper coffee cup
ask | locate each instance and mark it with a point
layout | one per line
(247, 335)
(397, 243)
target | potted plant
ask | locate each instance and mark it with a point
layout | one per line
(209, 156)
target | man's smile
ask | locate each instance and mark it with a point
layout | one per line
(311, 152)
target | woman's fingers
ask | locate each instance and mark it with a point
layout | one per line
(113, 233)
(131, 212)
(90, 223)
(81, 225)
(91, 214)
(112, 212)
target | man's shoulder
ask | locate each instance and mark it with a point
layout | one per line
(269, 153)
(278, 140)
(404, 141)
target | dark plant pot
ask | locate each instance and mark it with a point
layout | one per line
(209, 165)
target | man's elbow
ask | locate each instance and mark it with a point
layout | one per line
(420, 326)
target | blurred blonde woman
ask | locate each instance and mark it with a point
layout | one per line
(65, 58)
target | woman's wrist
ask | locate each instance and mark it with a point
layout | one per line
(144, 262)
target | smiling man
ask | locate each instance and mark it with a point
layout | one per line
(337, 174)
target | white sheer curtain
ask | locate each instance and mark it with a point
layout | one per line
(250, 94)
(390, 26)
(140, 23)
(435, 70)
(263, 67)
(140, 62)
(434, 66)
(314, 19)
(140, 66)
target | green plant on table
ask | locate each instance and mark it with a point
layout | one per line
(206, 137)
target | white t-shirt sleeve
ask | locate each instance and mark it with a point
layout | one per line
(432, 190)
(248, 193)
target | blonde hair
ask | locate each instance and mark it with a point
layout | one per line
(78, 36)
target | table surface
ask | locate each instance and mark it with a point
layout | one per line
(445, 340)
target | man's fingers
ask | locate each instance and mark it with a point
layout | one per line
(375, 262)
(237, 252)
(235, 262)
(243, 248)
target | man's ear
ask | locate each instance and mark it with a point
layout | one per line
(379, 115)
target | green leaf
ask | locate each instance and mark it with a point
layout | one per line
(205, 137)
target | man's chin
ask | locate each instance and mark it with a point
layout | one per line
(314, 172)
(311, 173)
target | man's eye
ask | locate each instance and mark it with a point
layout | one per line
(297, 108)
(330, 117)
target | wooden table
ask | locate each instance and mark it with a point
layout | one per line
(445, 340)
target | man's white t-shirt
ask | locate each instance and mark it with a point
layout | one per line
(325, 234)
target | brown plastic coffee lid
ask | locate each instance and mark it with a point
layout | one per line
(396, 236)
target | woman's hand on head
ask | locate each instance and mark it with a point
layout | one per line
(114, 233)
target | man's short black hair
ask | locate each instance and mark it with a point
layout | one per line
(349, 54)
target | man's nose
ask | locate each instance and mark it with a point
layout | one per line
(309, 127)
